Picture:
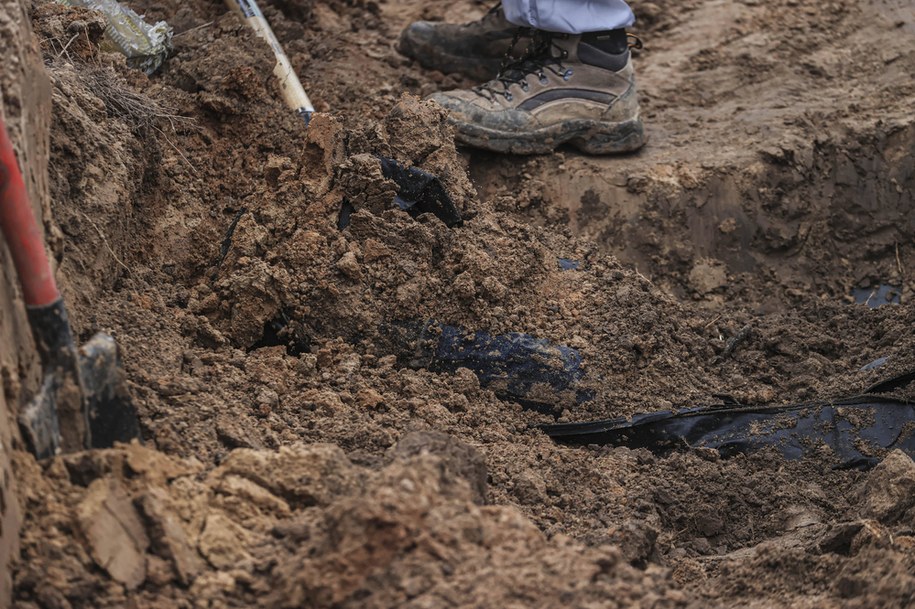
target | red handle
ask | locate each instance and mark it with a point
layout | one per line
(23, 235)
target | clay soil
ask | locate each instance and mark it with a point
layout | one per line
(292, 459)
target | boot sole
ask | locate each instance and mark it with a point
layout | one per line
(434, 59)
(591, 137)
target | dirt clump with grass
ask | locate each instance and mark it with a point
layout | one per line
(294, 454)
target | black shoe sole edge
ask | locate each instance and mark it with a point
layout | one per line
(591, 137)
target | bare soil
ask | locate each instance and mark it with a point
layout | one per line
(290, 459)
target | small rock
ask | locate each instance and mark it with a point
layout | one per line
(115, 534)
(349, 266)
(708, 276)
(275, 167)
(649, 11)
(302, 475)
(222, 543)
(233, 434)
(636, 539)
(889, 491)
(495, 291)
(459, 459)
(369, 398)
(374, 250)
(529, 488)
(253, 497)
(267, 398)
(169, 539)
(159, 572)
(709, 524)
(153, 466)
(465, 381)
(728, 226)
(464, 286)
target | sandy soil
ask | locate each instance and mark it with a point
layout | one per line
(292, 458)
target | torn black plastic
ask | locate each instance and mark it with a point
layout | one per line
(418, 192)
(857, 429)
(531, 371)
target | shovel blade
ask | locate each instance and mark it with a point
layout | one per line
(100, 393)
(112, 415)
(39, 423)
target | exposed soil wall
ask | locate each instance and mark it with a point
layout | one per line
(25, 108)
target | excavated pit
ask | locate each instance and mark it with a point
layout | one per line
(292, 459)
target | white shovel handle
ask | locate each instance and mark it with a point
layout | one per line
(290, 86)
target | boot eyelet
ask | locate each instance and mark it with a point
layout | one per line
(567, 74)
(543, 79)
(508, 96)
(565, 54)
(524, 85)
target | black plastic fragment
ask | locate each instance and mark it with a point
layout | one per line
(878, 295)
(568, 264)
(346, 210)
(418, 192)
(891, 384)
(518, 367)
(226, 244)
(857, 429)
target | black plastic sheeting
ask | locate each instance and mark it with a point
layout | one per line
(519, 367)
(857, 429)
(418, 192)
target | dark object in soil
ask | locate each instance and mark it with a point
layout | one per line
(227, 240)
(281, 331)
(857, 429)
(418, 192)
(880, 361)
(518, 367)
(879, 295)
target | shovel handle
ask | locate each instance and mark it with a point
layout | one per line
(290, 86)
(23, 235)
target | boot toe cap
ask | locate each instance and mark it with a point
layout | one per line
(467, 111)
(459, 104)
(416, 37)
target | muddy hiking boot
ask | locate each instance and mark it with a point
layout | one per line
(578, 90)
(473, 49)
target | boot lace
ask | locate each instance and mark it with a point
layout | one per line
(538, 58)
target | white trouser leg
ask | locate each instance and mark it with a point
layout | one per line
(569, 16)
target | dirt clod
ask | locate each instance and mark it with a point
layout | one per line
(116, 537)
(889, 493)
